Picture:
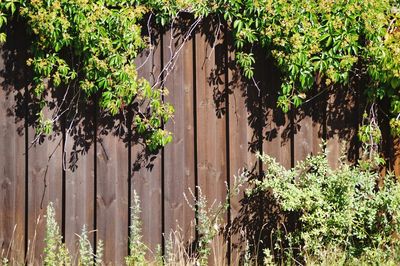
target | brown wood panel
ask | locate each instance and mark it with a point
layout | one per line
(308, 123)
(179, 174)
(112, 188)
(146, 181)
(396, 159)
(341, 125)
(241, 151)
(79, 176)
(44, 185)
(211, 120)
(277, 137)
(12, 173)
(146, 173)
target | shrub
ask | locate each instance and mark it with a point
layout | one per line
(137, 248)
(338, 209)
(55, 252)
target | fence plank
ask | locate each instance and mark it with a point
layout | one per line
(278, 137)
(341, 124)
(79, 164)
(242, 133)
(309, 123)
(179, 156)
(211, 115)
(396, 159)
(44, 185)
(12, 173)
(112, 189)
(277, 131)
(146, 168)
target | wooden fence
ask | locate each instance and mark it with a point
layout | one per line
(90, 170)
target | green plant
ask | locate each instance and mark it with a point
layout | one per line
(4, 262)
(137, 248)
(210, 217)
(85, 248)
(99, 253)
(55, 251)
(342, 209)
(86, 254)
(322, 44)
(90, 46)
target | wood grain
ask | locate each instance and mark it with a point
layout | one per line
(179, 155)
(12, 174)
(211, 123)
(79, 175)
(146, 173)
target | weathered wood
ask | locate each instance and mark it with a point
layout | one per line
(396, 159)
(112, 190)
(12, 173)
(221, 120)
(308, 123)
(278, 137)
(179, 174)
(241, 152)
(276, 127)
(44, 184)
(79, 174)
(146, 173)
(211, 121)
(341, 125)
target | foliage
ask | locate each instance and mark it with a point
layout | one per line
(209, 217)
(85, 249)
(322, 43)
(86, 253)
(137, 249)
(91, 44)
(345, 220)
(342, 208)
(55, 252)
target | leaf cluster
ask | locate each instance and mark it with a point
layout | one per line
(92, 44)
(342, 208)
(321, 44)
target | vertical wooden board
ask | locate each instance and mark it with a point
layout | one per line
(179, 174)
(308, 130)
(277, 141)
(341, 125)
(277, 131)
(241, 154)
(79, 175)
(12, 175)
(112, 191)
(146, 182)
(146, 173)
(44, 186)
(333, 142)
(274, 136)
(396, 157)
(211, 121)
(211, 132)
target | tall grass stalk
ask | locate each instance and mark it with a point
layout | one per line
(55, 251)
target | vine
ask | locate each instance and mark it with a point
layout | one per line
(324, 43)
(316, 44)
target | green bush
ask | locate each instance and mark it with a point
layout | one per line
(55, 251)
(341, 209)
